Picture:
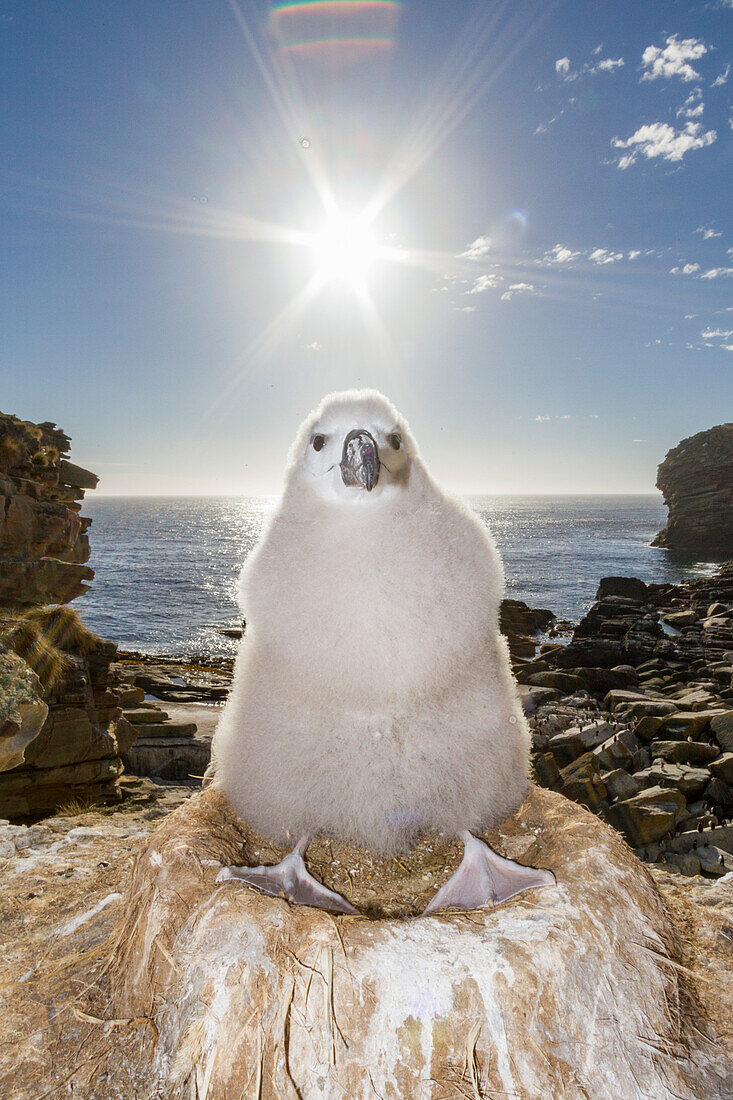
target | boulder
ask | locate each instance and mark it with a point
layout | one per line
(684, 752)
(721, 726)
(565, 682)
(686, 779)
(722, 768)
(621, 785)
(22, 710)
(566, 991)
(686, 723)
(648, 815)
(629, 588)
(572, 742)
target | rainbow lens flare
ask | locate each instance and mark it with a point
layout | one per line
(335, 32)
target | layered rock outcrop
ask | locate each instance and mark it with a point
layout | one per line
(43, 539)
(62, 732)
(636, 721)
(696, 479)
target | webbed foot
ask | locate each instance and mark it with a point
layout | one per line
(485, 878)
(292, 880)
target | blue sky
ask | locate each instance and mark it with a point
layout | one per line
(553, 309)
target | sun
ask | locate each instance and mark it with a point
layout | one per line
(344, 249)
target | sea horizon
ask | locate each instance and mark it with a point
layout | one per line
(167, 565)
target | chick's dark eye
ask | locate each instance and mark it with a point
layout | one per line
(395, 440)
(319, 442)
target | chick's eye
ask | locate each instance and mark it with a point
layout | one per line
(395, 440)
(319, 442)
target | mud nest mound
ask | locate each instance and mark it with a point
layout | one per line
(574, 991)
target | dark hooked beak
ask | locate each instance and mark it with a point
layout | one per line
(360, 460)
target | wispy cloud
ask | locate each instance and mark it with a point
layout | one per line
(722, 78)
(716, 333)
(717, 273)
(477, 249)
(314, 345)
(674, 59)
(707, 232)
(659, 139)
(711, 273)
(559, 254)
(485, 282)
(693, 106)
(517, 288)
(568, 74)
(465, 309)
(604, 256)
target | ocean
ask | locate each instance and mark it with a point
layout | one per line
(166, 567)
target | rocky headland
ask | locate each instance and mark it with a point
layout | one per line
(696, 479)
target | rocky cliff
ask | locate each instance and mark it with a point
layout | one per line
(696, 479)
(62, 733)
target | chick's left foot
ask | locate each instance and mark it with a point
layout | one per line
(485, 878)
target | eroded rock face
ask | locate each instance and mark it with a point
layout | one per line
(43, 539)
(696, 479)
(567, 991)
(65, 740)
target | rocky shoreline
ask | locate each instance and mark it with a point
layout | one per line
(631, 712)
(634, 717)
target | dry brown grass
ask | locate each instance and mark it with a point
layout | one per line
(44, 637)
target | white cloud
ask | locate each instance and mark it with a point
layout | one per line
(688, 269)
(716, 333)
(465, 309)
(634, 253)
(477, 249)
(314, 346)
(485, 282)
(723, 77)
(638, 440)
(517, 288)
(559, 254)
(543, 419)
(603, 256)
(707, 232)
(659, 139)
(693, 106)
(674, 59)
(727, 347)
(607, 65)
(717, 273)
